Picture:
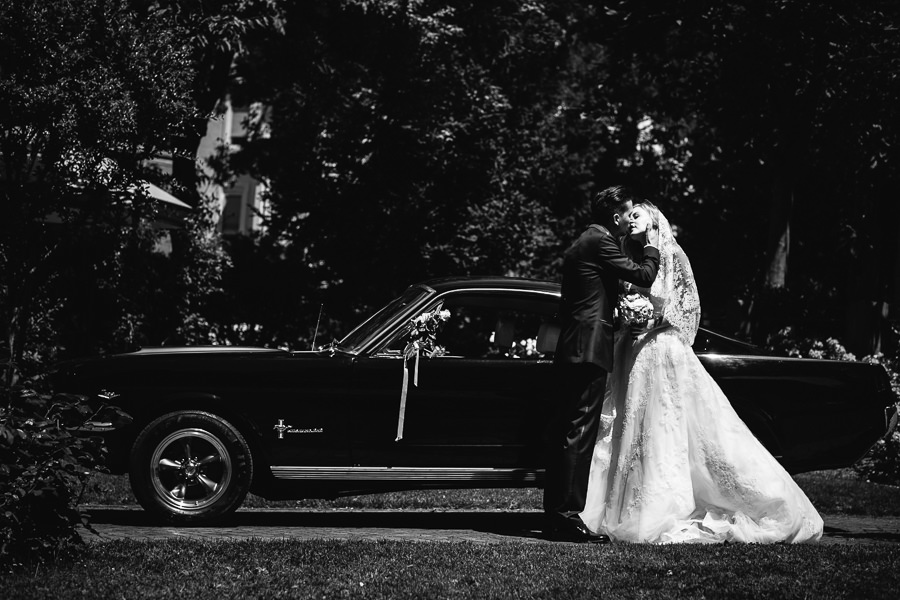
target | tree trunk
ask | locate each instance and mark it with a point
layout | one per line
(763, 307)
(9, 372)
(779, 246)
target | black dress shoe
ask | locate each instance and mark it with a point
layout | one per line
(575, 531)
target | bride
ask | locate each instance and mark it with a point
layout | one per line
(673, 461)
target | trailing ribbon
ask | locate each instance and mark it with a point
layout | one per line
(422, 332)
(403, 390)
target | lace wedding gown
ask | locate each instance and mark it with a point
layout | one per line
(673, 461)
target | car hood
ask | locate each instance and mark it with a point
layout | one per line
(87, 373)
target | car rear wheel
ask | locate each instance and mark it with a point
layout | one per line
(190, 468)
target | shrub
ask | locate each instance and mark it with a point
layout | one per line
(42, 468)
(787, 342)
(882, 463)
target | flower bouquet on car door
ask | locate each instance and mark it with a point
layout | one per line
(422, 339)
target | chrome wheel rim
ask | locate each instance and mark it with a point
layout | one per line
(190, 470)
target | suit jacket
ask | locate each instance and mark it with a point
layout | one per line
(592, 268)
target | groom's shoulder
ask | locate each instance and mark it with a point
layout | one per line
(595, 233)
(591, 240)
(588, 237)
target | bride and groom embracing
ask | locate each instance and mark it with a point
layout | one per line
(645, 446)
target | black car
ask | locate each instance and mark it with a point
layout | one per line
(372, 413)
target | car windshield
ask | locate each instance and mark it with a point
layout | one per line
(374, 324)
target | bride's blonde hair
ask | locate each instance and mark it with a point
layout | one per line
(651, 210)
(635, 250)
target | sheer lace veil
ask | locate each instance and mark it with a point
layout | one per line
(675, 282)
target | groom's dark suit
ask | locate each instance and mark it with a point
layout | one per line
(592, 268)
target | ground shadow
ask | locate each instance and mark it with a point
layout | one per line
(513, 524)
(862, 536)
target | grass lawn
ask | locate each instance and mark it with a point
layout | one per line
(831, 492)
(842, 492)
(366, 569)
(198, 569)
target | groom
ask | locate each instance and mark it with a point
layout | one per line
(592, 268)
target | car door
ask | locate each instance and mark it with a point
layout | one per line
(484, 403)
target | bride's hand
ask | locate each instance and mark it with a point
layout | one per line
(652, 325)
(638, 329)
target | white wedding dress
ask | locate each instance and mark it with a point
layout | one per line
(673, 461)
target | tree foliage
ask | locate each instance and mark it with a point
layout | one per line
(783, 112)
(403, 140)
(400, 143)
(214, 32)
(89, 92)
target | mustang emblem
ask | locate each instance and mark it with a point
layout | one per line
(280, 427)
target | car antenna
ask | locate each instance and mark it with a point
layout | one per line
(316, 333)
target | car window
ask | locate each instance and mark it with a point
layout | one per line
(495, 326)
(374, 324)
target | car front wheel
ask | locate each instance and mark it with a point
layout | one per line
(190, 468)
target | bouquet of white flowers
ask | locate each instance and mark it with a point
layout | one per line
(423, 332)
(635, 309)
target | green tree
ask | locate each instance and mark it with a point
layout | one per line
(400, 144)
(216, 32)
(781, 112)
(89, 92)
(403, 140)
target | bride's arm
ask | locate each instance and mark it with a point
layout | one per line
(655, 324)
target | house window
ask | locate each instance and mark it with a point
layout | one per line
(231, 214)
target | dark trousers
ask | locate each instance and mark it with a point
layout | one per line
(572, 438)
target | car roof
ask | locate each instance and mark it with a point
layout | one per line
(445, 284)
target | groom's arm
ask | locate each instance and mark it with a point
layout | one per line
(612, 258)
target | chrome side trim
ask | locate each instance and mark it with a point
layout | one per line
(430, 474)
(204, 350)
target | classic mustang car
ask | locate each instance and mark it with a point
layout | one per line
(374, 413)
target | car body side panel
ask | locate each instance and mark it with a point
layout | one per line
(333, 414)
(810, 413)
(287, 406)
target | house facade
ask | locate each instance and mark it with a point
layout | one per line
(241, 200)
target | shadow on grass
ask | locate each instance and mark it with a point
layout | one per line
(518, 524)
(836, 533)
(511, 524)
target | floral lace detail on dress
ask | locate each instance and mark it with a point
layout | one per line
(674, 291)
(676, 286)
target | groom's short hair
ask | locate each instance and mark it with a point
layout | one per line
(608, 202)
